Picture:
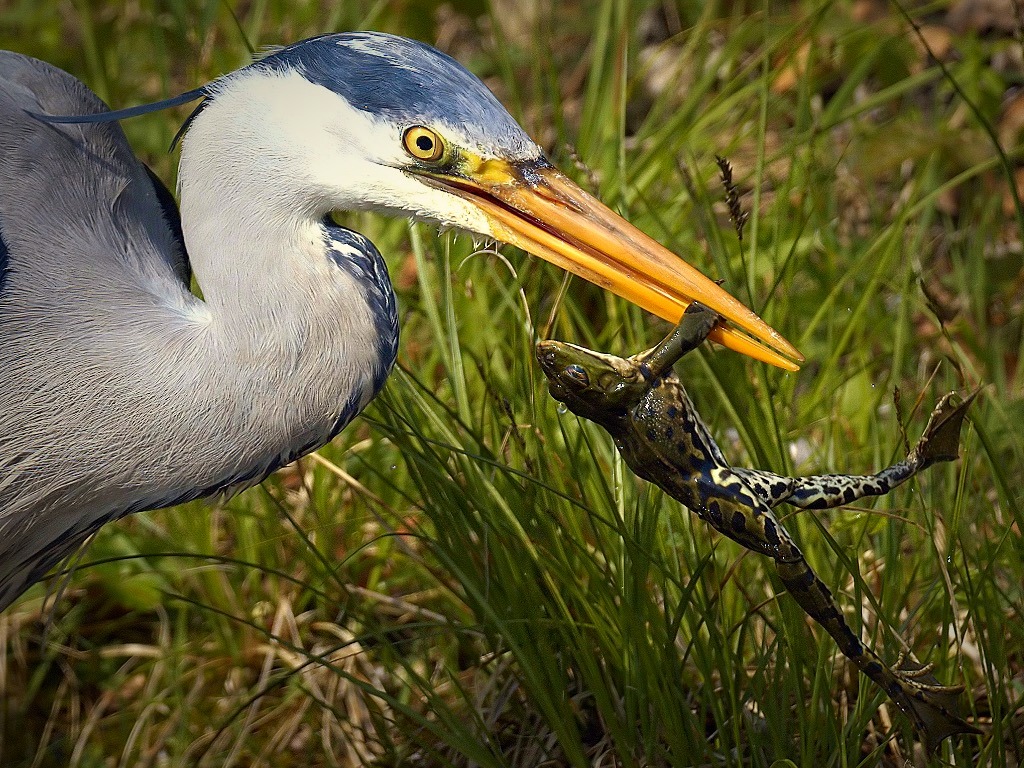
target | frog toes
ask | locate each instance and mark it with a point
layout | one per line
(941, 438)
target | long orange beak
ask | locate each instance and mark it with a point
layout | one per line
(538, 209)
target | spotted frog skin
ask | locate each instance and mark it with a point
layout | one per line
(643, 405)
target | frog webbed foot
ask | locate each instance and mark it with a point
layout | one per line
(934, 708)
(941, 438)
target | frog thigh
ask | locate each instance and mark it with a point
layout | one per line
(772, 488)
(736, 511)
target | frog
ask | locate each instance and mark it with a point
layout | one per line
(641, 402)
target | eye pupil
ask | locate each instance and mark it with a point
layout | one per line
(423, 144)
(578, 374)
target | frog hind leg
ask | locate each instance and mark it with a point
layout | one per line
(827, 491)
(736, 510)
(940, 441)
(934, 709)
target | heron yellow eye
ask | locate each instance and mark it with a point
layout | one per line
(423, 144)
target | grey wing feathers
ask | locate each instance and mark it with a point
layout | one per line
(46, 221)
(84, 232)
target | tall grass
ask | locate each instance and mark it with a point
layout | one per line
(468, 576)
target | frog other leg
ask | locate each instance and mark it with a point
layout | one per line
(735, 510)
(939, 442)
(934, 709)
(826, 491)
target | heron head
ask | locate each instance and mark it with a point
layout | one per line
(377, 122)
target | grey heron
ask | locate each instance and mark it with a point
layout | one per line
(123, 391)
